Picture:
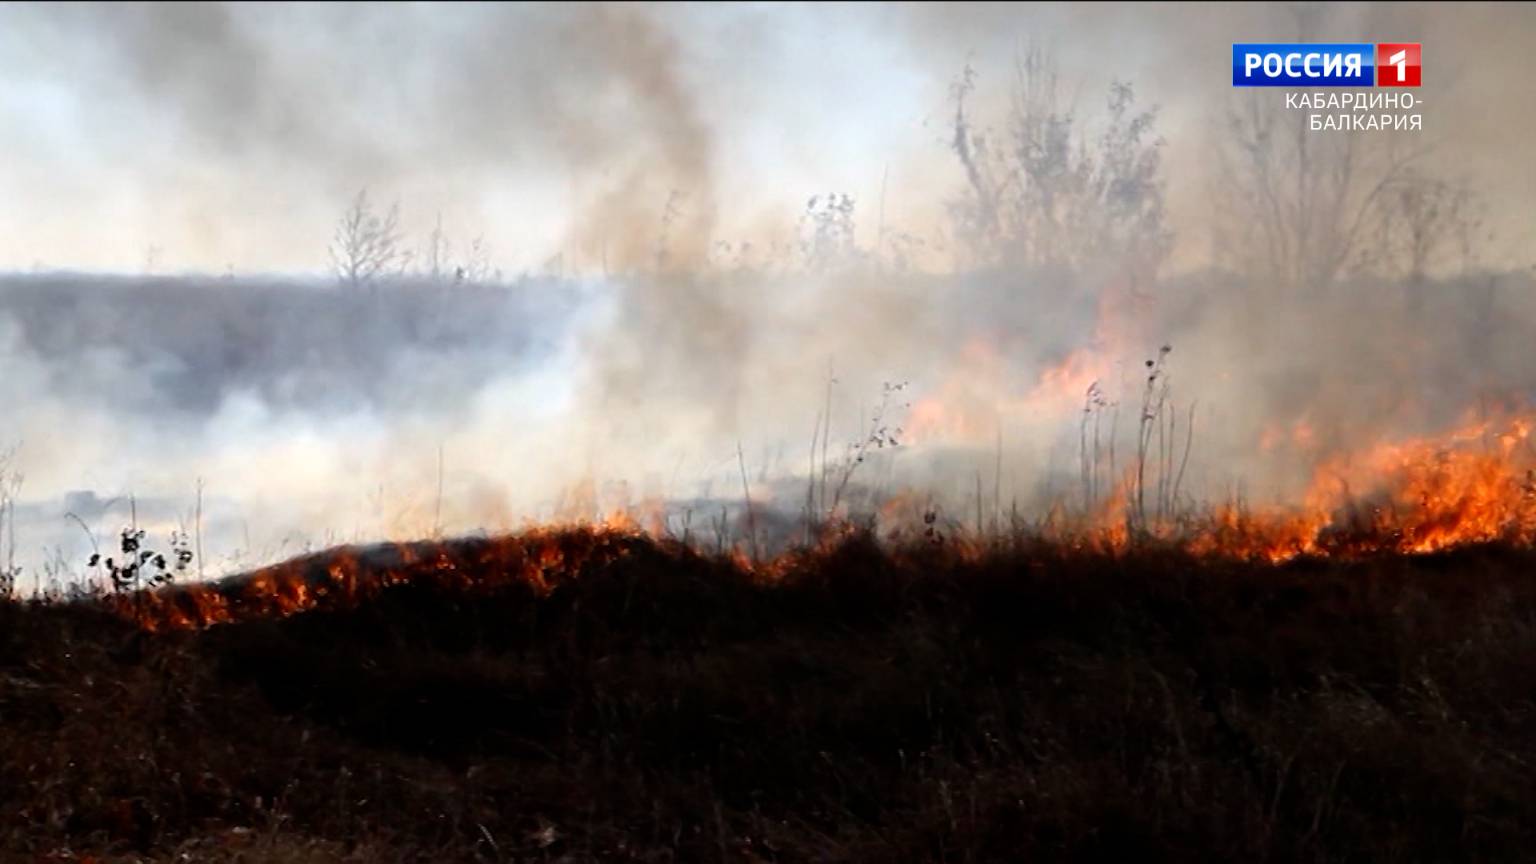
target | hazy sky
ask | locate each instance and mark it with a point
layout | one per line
(233, 135)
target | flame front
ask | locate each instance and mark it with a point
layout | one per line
(1475, 484)
(1472, 485)
(538, 559)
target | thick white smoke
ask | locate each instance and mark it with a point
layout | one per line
(652, 167)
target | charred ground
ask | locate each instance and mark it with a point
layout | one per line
(637, 701)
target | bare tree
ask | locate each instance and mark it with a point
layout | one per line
(441, 264)
(1301, 207)
(1310, 203)
(1429, 225)
(10, 488)
(826, 232)
(975, 211)
(476, 265)
(367, 246)
(1127, 187)
(1052, 196)
(434, 258)
(1429, 220)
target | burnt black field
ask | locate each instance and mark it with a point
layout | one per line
(923, 703)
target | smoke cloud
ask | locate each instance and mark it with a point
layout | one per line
(667, 293)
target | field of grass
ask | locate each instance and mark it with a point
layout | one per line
(583, 696)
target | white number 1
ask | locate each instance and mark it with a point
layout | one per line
(1400, 60)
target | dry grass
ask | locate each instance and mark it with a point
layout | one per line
(868, 705)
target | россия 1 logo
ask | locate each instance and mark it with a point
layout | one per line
(1397, 64)
(1334, 64)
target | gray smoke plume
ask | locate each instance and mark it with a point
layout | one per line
(707, 231)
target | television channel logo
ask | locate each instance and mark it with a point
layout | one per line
(1328, 64)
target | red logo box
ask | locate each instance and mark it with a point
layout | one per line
(1397, 64)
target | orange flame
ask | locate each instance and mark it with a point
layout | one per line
(1475, 484)
(978, 396)
(343, 578)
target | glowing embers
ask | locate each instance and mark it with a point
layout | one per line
(344, 577)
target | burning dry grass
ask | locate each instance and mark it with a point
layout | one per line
(1474, 486)
(347, 577)
(1349, 679)
(594, 694)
